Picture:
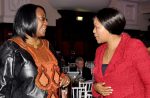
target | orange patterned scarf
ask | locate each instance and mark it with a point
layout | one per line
(48, 77)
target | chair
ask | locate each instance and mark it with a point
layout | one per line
(83, 91)
(88, 86)
(65, 69)
(77, 92)
(71, 64)
(64, 93)
(89, 64)
(89, 96)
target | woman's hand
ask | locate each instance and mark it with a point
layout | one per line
(102, 89)
(65, 81)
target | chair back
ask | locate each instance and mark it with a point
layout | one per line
(78, 92)
(89, 96)
(88, 87)
(87, 84)
(89, 64)
(65, 69)
(71, 64)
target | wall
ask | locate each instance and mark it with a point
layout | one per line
(1, 6)
(145, 7)
(9, 8)
(133, 12)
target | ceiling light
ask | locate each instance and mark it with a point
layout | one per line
(79, 18)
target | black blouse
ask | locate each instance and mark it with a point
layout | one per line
(104, 66)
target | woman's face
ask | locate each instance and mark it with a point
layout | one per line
(41, 22)
(101, 34)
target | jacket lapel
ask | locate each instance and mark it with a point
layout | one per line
(118, 56)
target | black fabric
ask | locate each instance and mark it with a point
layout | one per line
(104, 66)
(17, 73)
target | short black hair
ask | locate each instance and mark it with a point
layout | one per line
(113, 20)
(25, 21)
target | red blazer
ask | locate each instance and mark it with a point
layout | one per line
(128, 72)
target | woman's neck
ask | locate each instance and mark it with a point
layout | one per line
(33, 41)
(113, 42)
(111, 47)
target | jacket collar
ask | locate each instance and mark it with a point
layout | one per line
(119, 53)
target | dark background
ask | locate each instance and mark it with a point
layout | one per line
(72, 35)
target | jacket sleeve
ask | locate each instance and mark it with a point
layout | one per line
(17, 73)
(6, 69)
(142, 65)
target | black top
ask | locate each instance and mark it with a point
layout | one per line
(104, 66)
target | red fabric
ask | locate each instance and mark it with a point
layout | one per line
(128, 72)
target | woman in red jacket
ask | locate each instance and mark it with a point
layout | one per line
(122, 63)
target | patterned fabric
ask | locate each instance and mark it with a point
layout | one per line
(48, 77)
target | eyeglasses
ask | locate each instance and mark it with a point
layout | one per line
(42, 18)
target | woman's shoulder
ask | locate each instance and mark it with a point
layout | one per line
(131, 40)
(11, 47)
(8, 45)
(7, 49)
(134, 42)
